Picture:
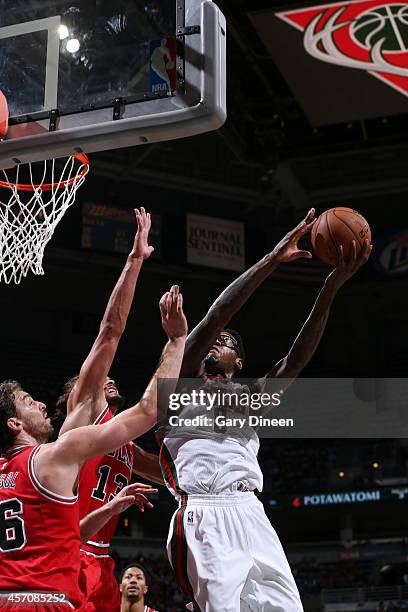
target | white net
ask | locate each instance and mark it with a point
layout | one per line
(30, 212)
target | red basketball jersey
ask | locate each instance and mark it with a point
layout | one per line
(101, 479)
(39, 531)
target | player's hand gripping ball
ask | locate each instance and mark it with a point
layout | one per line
(339, 226)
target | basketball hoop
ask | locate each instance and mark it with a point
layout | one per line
(32, 203)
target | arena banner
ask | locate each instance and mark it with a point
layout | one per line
(372, 495)
(336, 56)
(390, 256)
(105, 228)
(216, 243)
(280, 408)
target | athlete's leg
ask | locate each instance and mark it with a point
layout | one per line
(98, 584)
(208, 551)
(270, 586)
(89, 577)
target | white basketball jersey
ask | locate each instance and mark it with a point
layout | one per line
(197, 461)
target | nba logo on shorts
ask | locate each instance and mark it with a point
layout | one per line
(190, 517)
(162, 69)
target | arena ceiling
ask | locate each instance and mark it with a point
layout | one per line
(268, 154)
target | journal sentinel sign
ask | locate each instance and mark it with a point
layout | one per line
(217, 243)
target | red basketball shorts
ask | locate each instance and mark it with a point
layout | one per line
(98, 584)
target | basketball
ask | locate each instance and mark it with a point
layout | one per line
(183, 286)
(339, 226)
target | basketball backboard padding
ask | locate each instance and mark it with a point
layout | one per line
(3, 115)
(200, 108)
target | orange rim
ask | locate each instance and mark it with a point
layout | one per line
(81, 157)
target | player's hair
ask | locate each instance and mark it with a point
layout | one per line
(61, 403)
(7, 411)
(240, 345)
(139, 566)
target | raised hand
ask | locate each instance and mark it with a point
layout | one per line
(174, 321)
(346, 269)
(287, 249)
(141, 248)
(132, 494)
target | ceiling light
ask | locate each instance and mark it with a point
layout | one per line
(63, 32)
(73, 45)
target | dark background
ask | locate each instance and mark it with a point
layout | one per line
(266, 167)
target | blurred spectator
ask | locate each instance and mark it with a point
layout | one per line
(163, 590)
(311, 577)
(305, 465)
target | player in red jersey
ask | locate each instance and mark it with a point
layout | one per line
(101, 479)
(133, 588)
(133, 494)
(92, 398)
(39, 510)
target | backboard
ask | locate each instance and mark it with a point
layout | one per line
(89, 75)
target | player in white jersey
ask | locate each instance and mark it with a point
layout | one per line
(223, 549)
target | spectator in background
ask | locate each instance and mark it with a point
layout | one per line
(133, 588)
(163, 588)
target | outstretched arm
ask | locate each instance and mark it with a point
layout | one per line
(234, 297)
(147, 465)
(87, 399)
(311, 333)
(57, 465)
(133, 494)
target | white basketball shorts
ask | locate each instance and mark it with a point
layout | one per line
(228, 558)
